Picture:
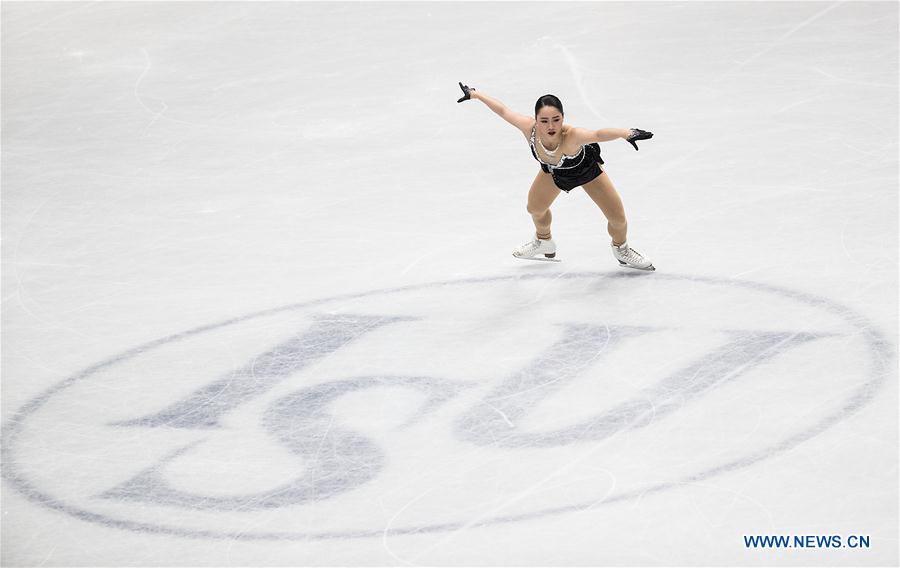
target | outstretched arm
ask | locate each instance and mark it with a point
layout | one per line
(631, 135)
(607, 134)
(520, 121)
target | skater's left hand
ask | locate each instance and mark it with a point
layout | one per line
(638, 134)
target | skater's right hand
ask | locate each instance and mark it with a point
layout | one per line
(467, 92)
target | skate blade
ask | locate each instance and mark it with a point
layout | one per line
(542, 258)
(650, 268)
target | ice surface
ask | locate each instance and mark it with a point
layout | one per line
(259, 306)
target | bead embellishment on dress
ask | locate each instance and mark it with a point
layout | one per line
(544, 148)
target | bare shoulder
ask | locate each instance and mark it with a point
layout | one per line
(579, 136)
(526, 127)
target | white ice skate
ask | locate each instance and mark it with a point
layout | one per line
(537, 249)
(631, 258)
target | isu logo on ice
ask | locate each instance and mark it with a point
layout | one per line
(441, 406)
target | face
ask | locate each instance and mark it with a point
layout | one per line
(549, 122)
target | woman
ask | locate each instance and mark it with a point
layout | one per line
(569, 157)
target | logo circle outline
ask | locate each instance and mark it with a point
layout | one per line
(859, 397)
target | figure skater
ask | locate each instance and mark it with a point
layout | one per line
(569, 157)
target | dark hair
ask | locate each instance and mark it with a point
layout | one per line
(548, 100)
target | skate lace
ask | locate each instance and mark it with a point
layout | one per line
(631, 255)
(530, 247)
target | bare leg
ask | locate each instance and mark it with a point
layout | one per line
(604, 194)
(541, 195)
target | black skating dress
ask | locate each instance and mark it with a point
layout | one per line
(572, 171)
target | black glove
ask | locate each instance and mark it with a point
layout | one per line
(638, 134)
(467, 92)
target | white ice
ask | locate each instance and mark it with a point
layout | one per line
(259, 306)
